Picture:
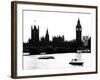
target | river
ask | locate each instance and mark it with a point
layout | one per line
(60, 61)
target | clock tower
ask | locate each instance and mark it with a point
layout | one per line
(78, 33)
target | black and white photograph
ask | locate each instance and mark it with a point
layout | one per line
(56, 39)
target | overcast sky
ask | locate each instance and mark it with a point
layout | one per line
(57, 23)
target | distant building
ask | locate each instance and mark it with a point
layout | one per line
(85, 40)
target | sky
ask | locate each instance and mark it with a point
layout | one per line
(57, 23)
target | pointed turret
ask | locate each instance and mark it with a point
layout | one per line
(47, 36)
(35, 27)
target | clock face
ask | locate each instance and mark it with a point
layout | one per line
(78, 29)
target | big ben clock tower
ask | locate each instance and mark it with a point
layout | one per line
(78, 33)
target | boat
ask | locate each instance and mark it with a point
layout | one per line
(77, 61)
(46, 57)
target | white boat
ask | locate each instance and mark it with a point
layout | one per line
(77, 60)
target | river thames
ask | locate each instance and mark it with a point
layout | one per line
(60, 61)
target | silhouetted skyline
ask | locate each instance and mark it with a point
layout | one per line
(58, 43)
(57, 24)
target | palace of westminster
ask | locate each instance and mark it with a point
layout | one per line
(58, 43)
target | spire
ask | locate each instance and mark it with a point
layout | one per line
(78, 20)
(47, 36)
(78, 23)
(47, 31)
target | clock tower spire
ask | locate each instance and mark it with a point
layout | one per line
(78, 33)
